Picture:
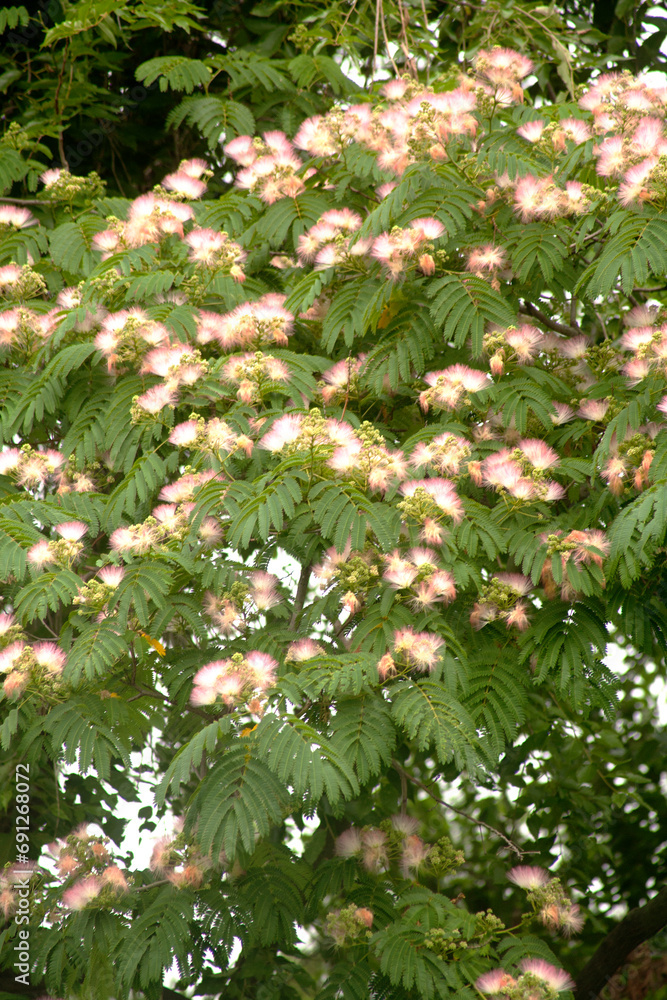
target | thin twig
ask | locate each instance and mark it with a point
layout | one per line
(480, 822)
(386, 40)
(531, 310)
(27, 201)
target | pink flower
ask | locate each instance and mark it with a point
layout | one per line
(374, 850)
(263, 669)
(50, 177)
(538, 453)
(72, 531)
(529, 197)
(303, 649)
(184, 435)
(612, 157)
(12, 215)
(7, 622)
(315, 137)
(495, 981)
(485, 258)
(193, 168)
(9, 656)
(593, 409)
(111, 575)
(15, 684)
(441, 491)
(415, 853)
(531, 131)
(263, 591)
(114, 877)
(557, 979)
(284, 431)
(82, 892)
(575, 129)
(349, 843)
(184, 184)
(49, 656)
(241, 150)
(40, 554)
(528, 876)
(9, 460)
(156, 398)
(420, 648)
(394, 89)
(428, 228)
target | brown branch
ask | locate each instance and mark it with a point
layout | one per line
(531, 310)
(479, 822)
(300, 596)
(637, 926)
(27, 201)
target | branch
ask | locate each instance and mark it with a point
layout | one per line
(536, 313)
(300, 596)
(637, 926)
(28, 201)
(479, 822)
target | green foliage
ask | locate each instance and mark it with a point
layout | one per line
(332, 492)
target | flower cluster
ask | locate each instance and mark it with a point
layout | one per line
(85, 863)
(548, 899)
(178, 365)
(542, 198)
(168, 522)
(230, 612)
(295, 432)
(445, 453)
(633, 112)
(427, 500)
(538, 980)
(64, 550)
(14, 217)
(24, 330)
(499, 72)
(264, 321)
(125, 337)
(395, 842)
(233, 680)
(416, 650)
(347, 926)
(270, 166)
(364, 457)
(211, 436)
(420, 573)
(180, 863)
(13, 877)
(39, 665)
(303, 649)
(520, 471)
(449, 388)
(519, 344)
(32, 469)
(96, 593)
(328, 241)
(501, 599)
(20, 282)
(254, 375)
(396, 249)
(582, 548)
(342, 379)
(214, 250)
(61, 185)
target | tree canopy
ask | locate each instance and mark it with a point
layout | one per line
(333, 348)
